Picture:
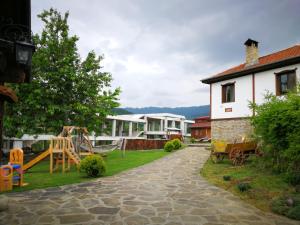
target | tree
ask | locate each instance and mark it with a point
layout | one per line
(64, 90)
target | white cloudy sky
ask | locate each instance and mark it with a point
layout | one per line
(159, 50)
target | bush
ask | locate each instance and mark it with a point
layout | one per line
(227, 178)
(93, 166)
(293, 179)
(169, 146)
(243, 187)
(279, 206)
(177, 143)
(294, 213)
(192, 140)
(276, 124)
(287, 205)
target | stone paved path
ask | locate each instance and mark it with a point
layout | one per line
(167, 191)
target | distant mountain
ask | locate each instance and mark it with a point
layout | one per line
(120, 111)
(189, 112)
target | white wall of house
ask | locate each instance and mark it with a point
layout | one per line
(243, 94)
(264, 81)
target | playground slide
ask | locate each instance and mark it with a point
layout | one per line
(37, 159)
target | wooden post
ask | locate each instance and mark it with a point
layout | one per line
(69, 163)
(51, 162)
(64, 146)
(123, 147)
(51, 156)
(63, 161)
(1, 123)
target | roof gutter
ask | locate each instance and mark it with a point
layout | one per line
(286, 62)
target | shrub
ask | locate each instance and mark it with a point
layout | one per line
(177, 143)
(279, 206)
(287, 205)
(93, 166)
(227, 178)
(294, 213)
(243, 187)
(276, 124)
(192, 140)
(169, 146)
(293, 179)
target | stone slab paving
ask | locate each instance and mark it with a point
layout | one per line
(167, 191)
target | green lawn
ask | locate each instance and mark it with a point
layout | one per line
(39, 176)
(264, 185)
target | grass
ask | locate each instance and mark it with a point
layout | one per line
(264, 185)
(39, 176)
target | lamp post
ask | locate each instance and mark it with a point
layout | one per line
(16, 49)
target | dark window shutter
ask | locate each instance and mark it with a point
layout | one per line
(291, 81)
(278, 88)
(223, 94)
(233, 92)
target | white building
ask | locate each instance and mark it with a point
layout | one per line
(150, 126)
(24, 142)
(133, 126)
(232, 90)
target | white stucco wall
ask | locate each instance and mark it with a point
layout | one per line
(243, 94)
(264, 81)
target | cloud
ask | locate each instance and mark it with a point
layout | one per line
(158, 51)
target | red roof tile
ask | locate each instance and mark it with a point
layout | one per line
(264, 60)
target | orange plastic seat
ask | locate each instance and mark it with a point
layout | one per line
(6, 178)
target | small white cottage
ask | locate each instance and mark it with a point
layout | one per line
(232, 90)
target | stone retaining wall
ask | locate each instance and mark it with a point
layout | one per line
(230, 130)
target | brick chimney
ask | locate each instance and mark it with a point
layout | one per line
(251, 52)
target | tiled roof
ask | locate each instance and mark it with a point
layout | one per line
(282, 55)
(201, 125)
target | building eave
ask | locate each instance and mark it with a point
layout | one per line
(244, 72)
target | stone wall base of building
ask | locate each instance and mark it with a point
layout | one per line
(231, 130)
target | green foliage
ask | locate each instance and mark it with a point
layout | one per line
(169, 146)
(293, 178)
(65, 90)
(279, 206)
(294, 213)
(177, 144)
(243, 187)
(93, 166)
(192, 140)
(40, 146)
(226, 178)
(277, 126)
(287, 205)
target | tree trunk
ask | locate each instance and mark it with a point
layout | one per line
(1, 124)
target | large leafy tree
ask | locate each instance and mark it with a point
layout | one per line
(65, 90)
